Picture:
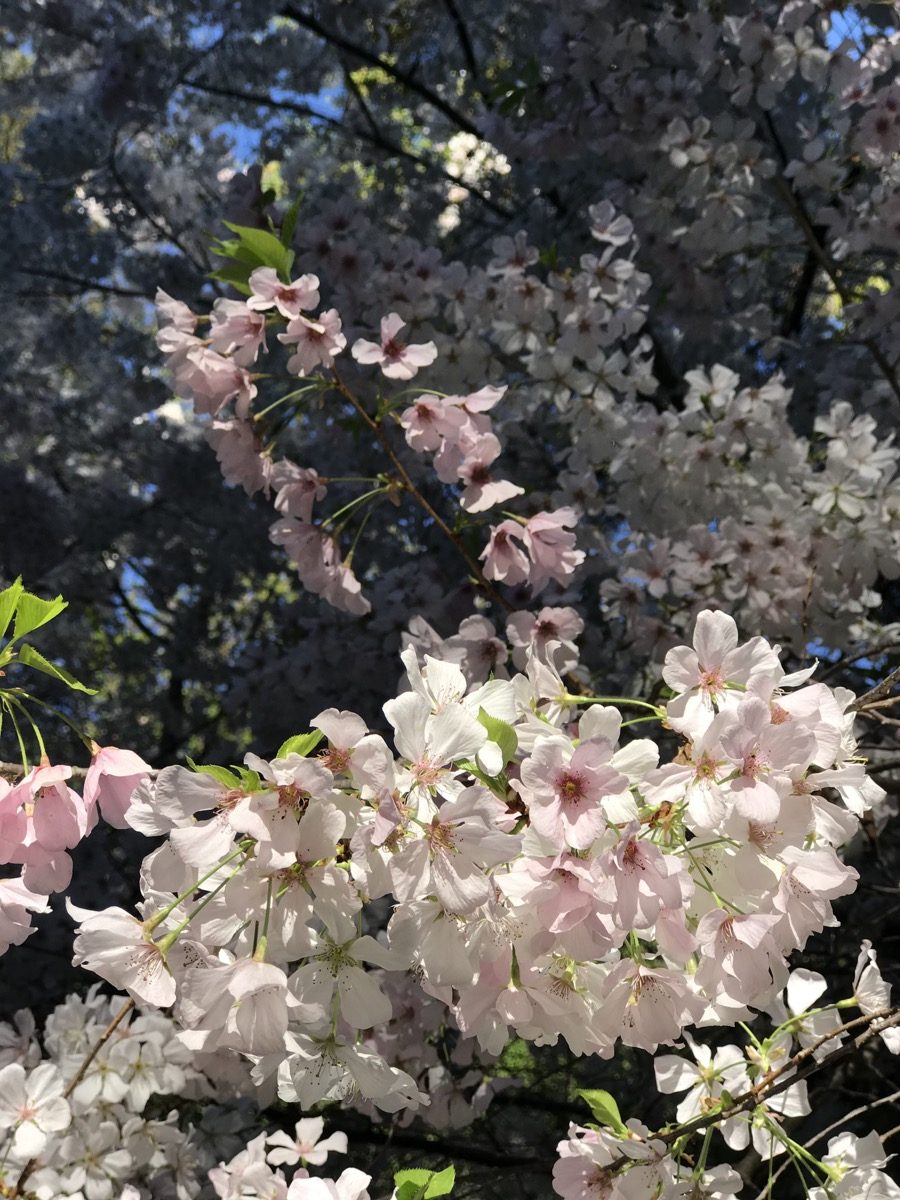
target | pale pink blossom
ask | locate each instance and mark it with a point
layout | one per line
(715, 670)
(740, 955)
(111, 780)
(872, 993)
(551, 547)
(503, 559)
(297, 490)
(212, 380)
(431, 420)
(396, 359)
(237, 330)
(242, 1006)
(481, 492)
(351, 1185)
(290, 299)
(564, 790)
(17, 903)
(32, 1107)
(117, 947)
(306, 1144)
(239, 452)
(550, 633)
(315, 341)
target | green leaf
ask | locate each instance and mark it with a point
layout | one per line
(250, 781)
(500, 732)
(441, 1183)
(549, 257)
(302, 744)
(220, 774)
(29, 657)
(419, 1184)
(236, 274)
(604, 1108)
(289, 224)
(267, 248)
(497, 784)
(9, 599)
(32, 612)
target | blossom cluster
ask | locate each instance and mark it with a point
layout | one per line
(551, 879)
(101, 1134)
(42, 818)
(717, 500)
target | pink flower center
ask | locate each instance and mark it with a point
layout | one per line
(570, 788)
(335, 760)
(752, 766)
(440, 837)
(290, 796)
(632, 859)
(711, 682)
(392, 348)
(427, 773)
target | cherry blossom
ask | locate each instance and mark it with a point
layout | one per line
(396, 359)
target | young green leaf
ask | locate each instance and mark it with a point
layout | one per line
(9, 598)
(32, 612)
(302, 744)
(289, 224)
(604, 1108)
(250, 781)
(29, 657)
(267, 248)
(236, 275)
(419, 1184)
(496, 784)
(500, 732)
(220, 774)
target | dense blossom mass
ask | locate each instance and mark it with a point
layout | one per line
(553, 876)
(548, 355)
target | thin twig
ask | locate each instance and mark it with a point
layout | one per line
(77, 1078)
(786, 1076)
(823, 1133)
(379, 431)
(877, 692)
(404, 78)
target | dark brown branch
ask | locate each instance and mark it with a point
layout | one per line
(840, 1123)
(795, 1069)
(374, 135)
(793, 317)
(874, 695)
(462, 34)
(409, 486)
(87, 285)
(797, 208)
(404, 78)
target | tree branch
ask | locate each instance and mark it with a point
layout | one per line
(379, 431)
(87, 285)
(840, 1123)
(465, 40)
(874, 695)
(404, 78)
(374, 136)
(797, 208)
(791, 1072)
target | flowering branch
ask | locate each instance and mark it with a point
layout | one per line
(77, 1078)
(784, 1077)
(409, 486)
